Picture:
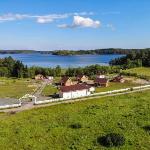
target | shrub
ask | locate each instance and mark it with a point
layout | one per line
(76, 126)
(147, 128)
(12, 112)
(111, 140)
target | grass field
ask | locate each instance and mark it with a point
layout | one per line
(15, 88)
(142, 71)
(115, 86)
(49, 90)
(49, 128)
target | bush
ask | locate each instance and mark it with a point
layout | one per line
(76, 126)
(12, 112)
(111, 140)
(147, 128)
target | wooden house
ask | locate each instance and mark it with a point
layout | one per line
(101, 82)
(118, 79)
(39, 77)
(66, 81)
(82, 78)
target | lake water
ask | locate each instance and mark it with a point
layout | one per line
(48, 60)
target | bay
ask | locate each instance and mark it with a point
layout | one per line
(49, 60)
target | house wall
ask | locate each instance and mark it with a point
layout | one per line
(84, 79)
(74, 94)
(68, 83)
(39, 77)
(101, 76)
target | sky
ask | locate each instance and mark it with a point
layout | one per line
(74, 24)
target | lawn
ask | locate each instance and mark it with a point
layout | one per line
(115, 86)
(50, 128)
(141, 71)
(15, 88)
(49, 90)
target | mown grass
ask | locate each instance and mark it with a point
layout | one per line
(15, 88)
(50, 127)
(49, 90)
(116, 86)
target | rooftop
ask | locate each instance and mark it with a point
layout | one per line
(76, 87)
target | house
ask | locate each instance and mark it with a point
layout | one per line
(118, 79)
(82, 78)
(39, 77)
(101, 82)
(50, 77)
(100, 76)
(65, 81)
(75, 91)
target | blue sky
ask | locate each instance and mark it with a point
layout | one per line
(76, 24)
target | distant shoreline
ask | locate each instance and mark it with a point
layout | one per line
(74, 52)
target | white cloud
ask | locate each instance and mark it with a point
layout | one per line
(79, 21)
(50, 18)
(40, 18)
(12, 17)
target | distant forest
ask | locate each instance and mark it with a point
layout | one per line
(14, 68)
(133, 59)
(76, 52)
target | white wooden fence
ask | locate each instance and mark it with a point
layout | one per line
(10, 106)
(62, 99)
(95, 94)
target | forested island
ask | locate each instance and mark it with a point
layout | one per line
(76, 52)
(93, 52)
(17, 51)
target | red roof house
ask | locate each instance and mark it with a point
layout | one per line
(65, 81)
(101, 82)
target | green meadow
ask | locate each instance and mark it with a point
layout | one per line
(139, 72)
(49, 90)
(51, 128)
(15, 88)
(116, 86)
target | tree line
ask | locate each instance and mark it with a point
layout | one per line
(92, 52)
(75, 52)
(15, 68)
(133, 59)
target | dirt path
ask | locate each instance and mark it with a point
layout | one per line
(40, 89)
(31, 106)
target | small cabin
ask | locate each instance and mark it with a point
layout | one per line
(100, 76)
(49, 77)
(66, 81)
(118, 79)
(103, 82)
(39, 77)
(82, 78)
